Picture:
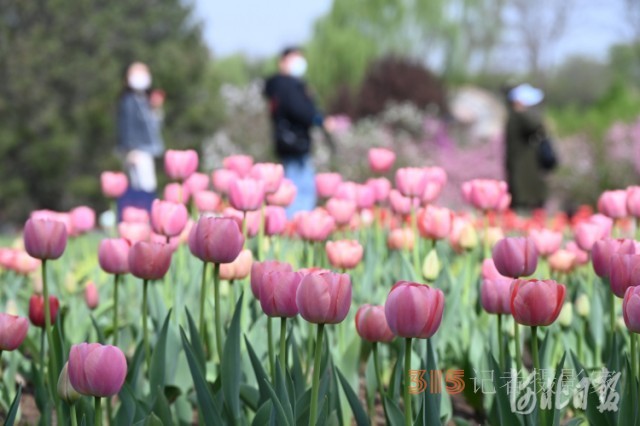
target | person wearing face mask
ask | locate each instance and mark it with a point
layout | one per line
(139, 137)
(293, 114)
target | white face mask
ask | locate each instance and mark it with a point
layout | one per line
(139, 81)
(297, 66)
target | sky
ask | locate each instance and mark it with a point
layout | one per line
(261, 28)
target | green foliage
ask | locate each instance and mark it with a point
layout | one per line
(62, 70)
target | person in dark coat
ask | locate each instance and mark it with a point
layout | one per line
(293, 114)
(524, 128)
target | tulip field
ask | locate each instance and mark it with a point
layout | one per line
(381, 306)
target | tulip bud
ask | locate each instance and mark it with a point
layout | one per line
(431, 266)
(66, 392)
(468, 237)
(583, 306)
(91, 295)
(566, 315)
(36, 310)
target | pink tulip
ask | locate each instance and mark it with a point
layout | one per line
(278, 293)
(285, 194)
(401, 239)
(222, 179)
(436, 180)
(167, 218)
(250, 220)
(134, 214)
(411, 181)
(246, 194)
(381, 159)
(238, 269)
(536, 302)
(546, 241)
(400, 204)
(365, 197)
(239, 164)
(91, 295)
(206, 201)
(23, 264)
(624, 272)
(275, 220)
(613, 204)
(149, 261)
(381, 188)
(486, 194)
(113, 184)
(216, 239)
(259, 269)
(603, 250)
(495, 290)
(134, 231)
(36, 310)
(582, 257)
(562, 261)
(45, 239)
(324, 298)
(113, 255)
(515, 257)
(459, 225)
(83, 219)
(344, 254)
(588, 232)
(97, 370)
(197, 182)
(176, 193)
(315, 225)
(347, 191)
(631, 309)
(414, 310)
(172, 242)
(179, 165)
(633, 201)
(327, 184)
(371, 324)
(271, 174)
(434, 223)
(342, 211)
(13, 331)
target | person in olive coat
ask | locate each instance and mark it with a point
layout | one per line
(524, 129)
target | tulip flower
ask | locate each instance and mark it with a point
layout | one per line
(602, 251)
(285, 194)
(176, 193)
(546, 241)
(45, 239)
(275, 220)
(411, 181)
(588, 232)
(271, 174)
(342, 211)
(134, 214)
(113, 184)
(66, 392)
(371, 324)
(515, 257)
(613, 204)
(239, 164)
(562, 261)
(631, 309)
(315, 225)
(167, 218)
(344, 254)
(197, 182)
(259, 269)
(381, 188)
(633, 201)
(434, 223)
(246, 194)
(495, 294)
(13, 330)
(37, 314)
(113, 257)
(381, 159)
(23, 264)
(327, 184)
(91, 295)
(486, 194)
(134, 231)
(401, 239)
(83, 219)
(179, 165)
(206, 201)
(222, 179)
(582, 257)
(249, 220)
(400, 204)
(536, 302)
(431, 266)
(239, 268)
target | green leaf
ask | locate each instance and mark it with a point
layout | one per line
(230, 366)
(396, 417)
(359, 414)
(205, 399)
(158, 360)
(127, 413)
(263, 414)
(13, 410)
(555, 419)
(99, 332)
(430, 411)
(594, 416)
(196, 343)
(299, 381)
(135, 366)
(250, 396)
(628, 414)
(396, 375)
(258, 370)
(162, 409)
(505, 415)
(283, 393)
(281, 415)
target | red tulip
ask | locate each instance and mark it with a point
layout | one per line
(179, 165)
(97, 370)
(149, 260)
(206, 201)
(495, 290)
(222, 179)
(327, 183)
(239, 164)
(13, 330)
(613, 204)
(633, 201)
(487, 194)
(624, 272)
(401, 239)
(603, 249)
(91, 295)
(278, 293)
(324, 298)
(631, 309)
(315, 225)
(371, 324)
(515, 257)
(344, 254)
(113, 184)
(271, 174)
(285, 194)
(381, 188)
(434, 223)
(36, 309)
(246, 194)
(342, 211)
(414, 310)
(275, 220)
(259, 269)
(216, 239)
(45, 239)
(536, 302)
(134, 214)
(197, 182)
(83, 219)
(411, 181)
(381, 159)
(167, 218)
(239, 268)
(134, 231)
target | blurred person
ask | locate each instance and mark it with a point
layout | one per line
(139, 138)
(524, 133)
(293, 114)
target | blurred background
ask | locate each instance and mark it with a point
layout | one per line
(424, 77)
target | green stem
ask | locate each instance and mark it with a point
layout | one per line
(517, 342)
(53, 359)
(261, 233)
(116, 278)
(408, 417)
(216, 300)
(612, 320)
(272, 363)
(42, 352)
(98, 412)
(500, 345)
(315, 384)
(232, 292)
(487, 249)
(283, 344)
(203, 285)
(536, 366)
(145, 332)
(109, 412)
(310, 253)
(376, 366)
(74, 417)
(416, 248)
(632, 337)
